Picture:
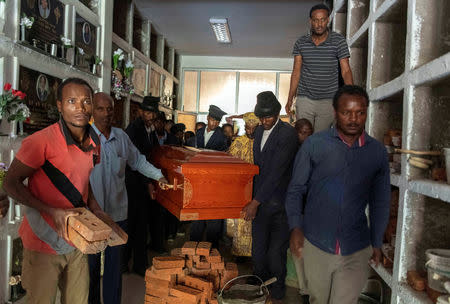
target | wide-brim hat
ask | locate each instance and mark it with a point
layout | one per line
(216, 113)
(267, 105)
(150, 103)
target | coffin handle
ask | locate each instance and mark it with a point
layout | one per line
(174, 187)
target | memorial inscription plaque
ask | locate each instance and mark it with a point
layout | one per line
(85, 39)
(41, 98)
(48, 26)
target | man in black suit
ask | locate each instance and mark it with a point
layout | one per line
(142, 210)
(210, 137)
(274, 149)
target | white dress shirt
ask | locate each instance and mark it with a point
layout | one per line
(208, 135)
(266, 134)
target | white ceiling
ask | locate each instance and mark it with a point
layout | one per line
(258, 28)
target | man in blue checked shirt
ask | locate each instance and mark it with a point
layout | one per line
(339, 171)
(108, 185)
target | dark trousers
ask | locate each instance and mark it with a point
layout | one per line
(213, 231)
(270, 233)
(112, 277)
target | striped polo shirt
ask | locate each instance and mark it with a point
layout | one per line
(319, 75)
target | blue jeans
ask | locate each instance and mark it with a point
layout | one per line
(112, 277)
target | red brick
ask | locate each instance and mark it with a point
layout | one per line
(214, 278)
(189, 263)
(202, 264)
(174, 300)
(195, 258)
(168, 262)
(198, 283)
(214, 256)
(84, 246)
(166, 271)
(149, 273)
(200, 272)
(177, 252)
(203, 248)
(218, 266)
(159, 283)
(189, 248)
(154, 300)
(213, 301)
(90, 227)
(156, 292)
(187, 293)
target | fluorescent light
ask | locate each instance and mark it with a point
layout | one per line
(221, 29)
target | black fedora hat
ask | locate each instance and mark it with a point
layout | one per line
(267, 104)
(150, 103)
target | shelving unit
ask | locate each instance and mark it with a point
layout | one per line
(118, 24)
(400, 54)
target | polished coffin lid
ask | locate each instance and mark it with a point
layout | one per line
(206, 184)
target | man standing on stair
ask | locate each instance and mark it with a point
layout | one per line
(318, 56)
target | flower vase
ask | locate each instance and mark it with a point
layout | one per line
(23, 33)
(8, 128)
(2, 16)
(70, 56)
(94, 69)
(63, 52)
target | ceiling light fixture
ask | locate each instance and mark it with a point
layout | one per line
(221, 29)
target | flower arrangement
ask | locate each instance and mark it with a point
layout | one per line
(67, 43)
(27, 22)
(129, 67)
(97, 60)
(12, 106)
(3, 169)
(117, 56)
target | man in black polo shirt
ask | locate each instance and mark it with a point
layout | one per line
(315, 75)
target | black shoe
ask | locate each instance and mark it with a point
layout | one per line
(305, 299)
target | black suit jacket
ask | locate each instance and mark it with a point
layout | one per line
(140, 138)
(145, 144)
(275, 163)
(217, 142)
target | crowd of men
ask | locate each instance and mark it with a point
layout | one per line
(310, 194)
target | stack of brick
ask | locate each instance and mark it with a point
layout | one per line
(91, 234)
(191, 275)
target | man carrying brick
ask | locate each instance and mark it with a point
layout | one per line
(315, 76)
(274, 149)
(108, 185)
(337, 174)
(57, 162)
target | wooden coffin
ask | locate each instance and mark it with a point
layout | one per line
(205, 184)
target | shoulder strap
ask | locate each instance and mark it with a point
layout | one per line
(63, 184)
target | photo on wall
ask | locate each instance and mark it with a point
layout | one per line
(86, 42)
(41, 98)
(48, 26)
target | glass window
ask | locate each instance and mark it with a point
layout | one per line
(188, 120)
(217, 88)
(252, 83)
(190, 91)
(283, 90)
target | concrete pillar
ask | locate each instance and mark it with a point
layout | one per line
(129, 31)
(106, 21)
(160, 50)
(146, 35)
(171, 65)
